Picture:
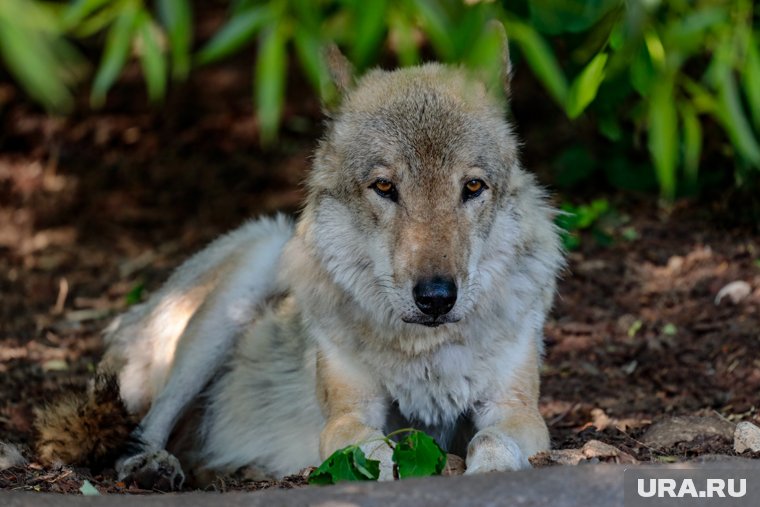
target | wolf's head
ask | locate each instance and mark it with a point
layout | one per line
(407, 187)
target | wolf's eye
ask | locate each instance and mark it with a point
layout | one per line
(472, 189)
(386, 189)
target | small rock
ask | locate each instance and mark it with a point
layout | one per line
(10, 456)
(597, 449)
(667, 433)
(736, 292)
(454, 465)
(746, 436)
(599, 419)
(593, 451)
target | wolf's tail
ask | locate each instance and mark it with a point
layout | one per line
(90, 428)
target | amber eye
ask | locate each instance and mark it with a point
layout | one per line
(472, 189)
(386, 189)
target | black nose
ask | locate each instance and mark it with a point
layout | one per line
(435, 296)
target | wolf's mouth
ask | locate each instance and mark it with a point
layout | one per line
(430, 322)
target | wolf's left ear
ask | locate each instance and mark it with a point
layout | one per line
(340, 69)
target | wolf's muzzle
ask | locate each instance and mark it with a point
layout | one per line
(435, 296)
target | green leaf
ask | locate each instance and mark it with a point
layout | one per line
(584, 88)
(87, 489)
(406, 44)
(554, 17)
(30, 59)
(270, 82)
(751, 79)
(731, 115)
(347, 464)
(418, 455)
(80, 9)
(177, 17)
(540, 57)
(368, 31)
(437, 26)
(96, 22)
(115, 53)
(642, 72)
(135, 294)
(237, 32)
(663, 136)
(151, 57)
(692, 141)
(308, 48)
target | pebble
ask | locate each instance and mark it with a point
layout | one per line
(736, 292)
(746, 436)
(667, 433)
(10, 456)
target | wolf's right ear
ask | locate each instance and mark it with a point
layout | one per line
(340, 69)
(506, 64)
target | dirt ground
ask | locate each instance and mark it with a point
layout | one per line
(97, 209)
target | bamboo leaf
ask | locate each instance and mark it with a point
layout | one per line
(437, 26)
(751, 79)
(369, 30)
(115, 54)
(151, 57)
(237, 32)
(308, 49)
(584, 88)
(692, 141)
(177, 17)
(663, 136)
(540, 57)
(31, 62)
(270, 82)
(80, 9)
(730, 113)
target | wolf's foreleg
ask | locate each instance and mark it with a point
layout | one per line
(510, 427)
(354, 408)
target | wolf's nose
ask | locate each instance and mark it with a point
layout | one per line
(435, 296)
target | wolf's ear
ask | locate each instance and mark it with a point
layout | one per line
(506, 63)
(340, 69)
(505, 70)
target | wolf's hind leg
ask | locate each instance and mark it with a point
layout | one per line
(207, 340)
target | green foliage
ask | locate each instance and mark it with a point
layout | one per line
(663, 69)
(135, 294)
(347, 464)
(573, 219)
(415, 455)
(418, 455)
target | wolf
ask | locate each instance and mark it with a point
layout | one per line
(411, 292)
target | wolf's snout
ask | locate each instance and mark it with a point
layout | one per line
(435, 296)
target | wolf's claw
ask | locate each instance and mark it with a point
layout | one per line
(157, 470)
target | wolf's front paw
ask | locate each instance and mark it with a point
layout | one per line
(381, 452)
(492, 451)
(153, 469)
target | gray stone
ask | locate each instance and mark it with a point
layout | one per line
(746, 436)
(10, 456)
(669, 432)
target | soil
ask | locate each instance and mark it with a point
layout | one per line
(98, 208)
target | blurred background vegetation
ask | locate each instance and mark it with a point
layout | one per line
(671, 87)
